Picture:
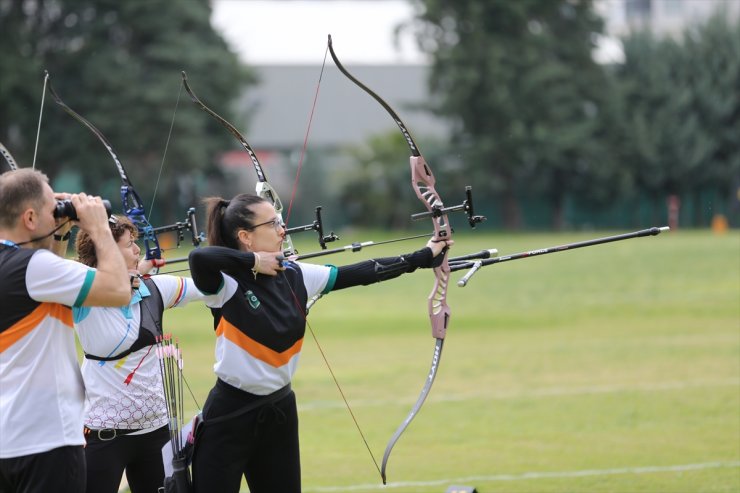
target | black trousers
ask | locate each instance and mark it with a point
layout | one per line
(261, 444)
(61, 470)
(139, 455)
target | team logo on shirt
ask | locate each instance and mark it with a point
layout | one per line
(254, 302)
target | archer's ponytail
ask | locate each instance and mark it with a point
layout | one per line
(226, 217)
(215, 209)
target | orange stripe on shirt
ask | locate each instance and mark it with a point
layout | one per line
(254, 348)
(25, 325)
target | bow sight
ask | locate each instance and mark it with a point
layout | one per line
(189, 224)
(198, 237)
(466, 206)
(318, 226)
(437, 211)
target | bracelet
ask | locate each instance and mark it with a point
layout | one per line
(63, 238)
(256, 267)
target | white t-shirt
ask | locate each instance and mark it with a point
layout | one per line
(127, 393)
(41, 390)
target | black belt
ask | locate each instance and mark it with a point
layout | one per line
(258, 402)
(107, 434)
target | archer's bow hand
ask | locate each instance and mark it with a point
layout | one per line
(439, 246)
(146, 266)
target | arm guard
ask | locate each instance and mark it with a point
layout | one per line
(382, 269)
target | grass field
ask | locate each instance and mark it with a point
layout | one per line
(614, 368)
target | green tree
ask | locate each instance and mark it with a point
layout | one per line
(681, 107)
(118, 64)
(529, 100)
(377, 193)
(713, 63)
(661, 128)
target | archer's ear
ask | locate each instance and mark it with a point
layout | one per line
(245, 238)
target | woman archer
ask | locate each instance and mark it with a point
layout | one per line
(126, 421)
(250, 422)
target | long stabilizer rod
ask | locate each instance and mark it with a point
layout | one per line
(475, 266)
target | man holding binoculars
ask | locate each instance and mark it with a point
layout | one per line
(65, 208)
(41, 391)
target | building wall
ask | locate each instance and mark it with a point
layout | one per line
(665, 17)
(279, 108)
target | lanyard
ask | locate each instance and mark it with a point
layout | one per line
(8, 243)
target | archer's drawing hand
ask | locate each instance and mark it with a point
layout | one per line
(269, 263)
(135, 279)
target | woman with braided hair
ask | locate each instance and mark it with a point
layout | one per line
(250, 421)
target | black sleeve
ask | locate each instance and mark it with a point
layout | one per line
(383, 269)
(207, 264)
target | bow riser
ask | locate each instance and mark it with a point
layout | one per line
(265, 190)
(439, 311)
(423, 182)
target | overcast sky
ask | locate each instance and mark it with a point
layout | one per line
(267, 32)
(289, 32)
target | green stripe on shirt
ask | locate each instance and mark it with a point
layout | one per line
(332, 279)
(85, 289)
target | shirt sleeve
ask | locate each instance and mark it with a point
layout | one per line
(317, 278)
(207, 264)
(50, 278)
(179, 291)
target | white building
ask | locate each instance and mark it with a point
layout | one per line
(664, 17)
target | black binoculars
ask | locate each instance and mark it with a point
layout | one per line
(65, 208)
